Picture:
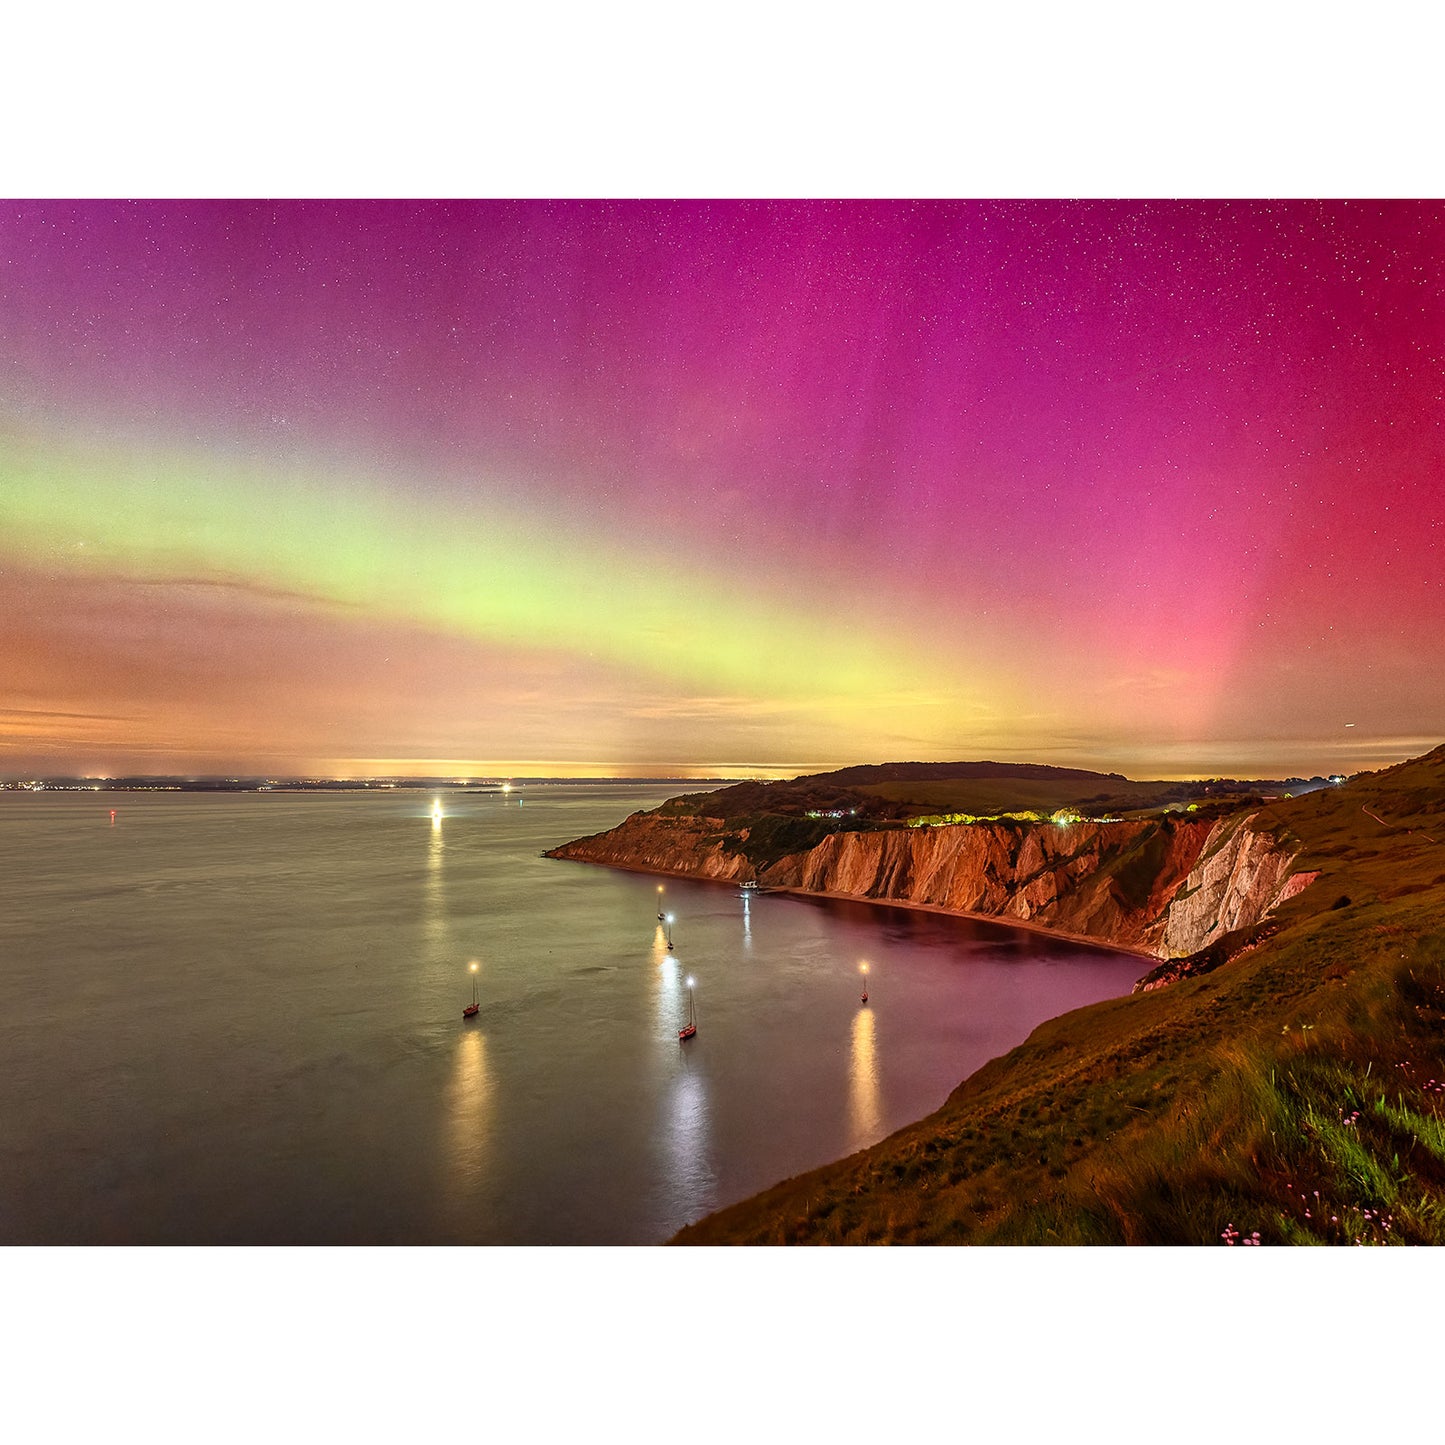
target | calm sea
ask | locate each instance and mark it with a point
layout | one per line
(237, 1019)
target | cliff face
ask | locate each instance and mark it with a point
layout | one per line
(1241, 876)
(1111, 881)
(1169, 886)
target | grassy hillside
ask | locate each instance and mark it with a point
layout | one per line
(1294, 1094)
(989, 796)
(889, 794)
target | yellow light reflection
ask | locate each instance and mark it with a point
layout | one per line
(434, 917)
(470, 1106)
(865, 1106)
(667, 985)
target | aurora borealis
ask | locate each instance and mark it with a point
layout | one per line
(720, 487)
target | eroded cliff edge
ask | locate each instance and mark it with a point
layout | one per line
(1169, 886)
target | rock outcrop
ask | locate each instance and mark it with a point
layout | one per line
(1169, 886)
(1240, 877)
(657, 843)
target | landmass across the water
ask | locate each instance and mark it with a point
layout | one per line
(1277, 1077)
(171, 783)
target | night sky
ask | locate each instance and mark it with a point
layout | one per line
(587, 488)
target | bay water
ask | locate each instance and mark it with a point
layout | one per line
(236, 1018)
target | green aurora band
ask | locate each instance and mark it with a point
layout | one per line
(479, 569)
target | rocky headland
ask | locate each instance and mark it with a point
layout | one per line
(1169, 886)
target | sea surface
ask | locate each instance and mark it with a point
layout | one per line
(237, 1019)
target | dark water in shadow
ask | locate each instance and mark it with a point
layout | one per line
(237, 1019)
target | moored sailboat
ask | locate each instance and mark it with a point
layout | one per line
(691, 1026)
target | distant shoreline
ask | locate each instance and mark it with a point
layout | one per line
(388, 785)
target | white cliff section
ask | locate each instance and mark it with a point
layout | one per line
(1241, 876)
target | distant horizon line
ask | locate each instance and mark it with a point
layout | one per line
(82, 781)
(431, 780)
(1169, 763)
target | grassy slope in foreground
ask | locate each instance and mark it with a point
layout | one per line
(1295, 1092)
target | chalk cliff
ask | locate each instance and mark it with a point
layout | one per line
(1169, 885)
(1240, 877)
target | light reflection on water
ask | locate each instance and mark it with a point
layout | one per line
(667, 975)
(286, 973)
(470, 1105)
(434, 909)
(865, 1110)
(692, 1181)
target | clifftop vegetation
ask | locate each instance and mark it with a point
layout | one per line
(895, 792)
